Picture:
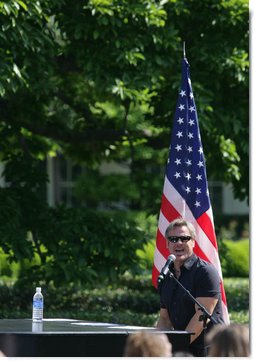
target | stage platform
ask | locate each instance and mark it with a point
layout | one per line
(73, 338)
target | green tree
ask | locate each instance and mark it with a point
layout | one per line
(98, 80)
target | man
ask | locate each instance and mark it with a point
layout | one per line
(200, 278)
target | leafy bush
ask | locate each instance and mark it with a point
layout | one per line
(236, 260)
(136, 302)
(237, 293)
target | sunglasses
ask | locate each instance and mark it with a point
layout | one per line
(183, 239)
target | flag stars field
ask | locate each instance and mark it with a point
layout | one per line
(191, 122)
(200, 164)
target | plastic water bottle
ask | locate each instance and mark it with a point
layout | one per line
(38, 306)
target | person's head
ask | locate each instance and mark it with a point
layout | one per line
(147, 344)
(180, 235)
(229, 341)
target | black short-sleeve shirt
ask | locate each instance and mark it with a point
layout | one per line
(201, 279)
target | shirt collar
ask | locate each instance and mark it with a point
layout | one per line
(190, 261)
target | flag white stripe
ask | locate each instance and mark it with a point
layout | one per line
(163, 223)
(159, 260)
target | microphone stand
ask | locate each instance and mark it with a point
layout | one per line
(205, 314)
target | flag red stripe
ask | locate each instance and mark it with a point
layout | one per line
(168, 209)
(223, 295)
(206, 225)
(162, 244)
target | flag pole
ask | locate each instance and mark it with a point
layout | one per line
(184, 54)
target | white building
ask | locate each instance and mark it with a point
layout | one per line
(62, 175)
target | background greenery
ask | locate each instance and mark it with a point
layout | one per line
(133, 301)
(81, 246)
(96, 81)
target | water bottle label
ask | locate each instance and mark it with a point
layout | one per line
(37, 314)
(38, 304)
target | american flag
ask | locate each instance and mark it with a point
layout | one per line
(185, 191)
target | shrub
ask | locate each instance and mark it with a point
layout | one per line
(236, 263)
(132, 301)
(237, 293)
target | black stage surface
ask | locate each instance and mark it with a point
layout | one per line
(72, 338)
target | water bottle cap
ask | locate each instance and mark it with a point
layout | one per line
(38, 290)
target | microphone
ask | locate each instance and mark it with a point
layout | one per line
(165, 270)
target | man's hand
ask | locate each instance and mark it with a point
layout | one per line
(164, 321)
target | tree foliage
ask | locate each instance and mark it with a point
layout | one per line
(98, 80)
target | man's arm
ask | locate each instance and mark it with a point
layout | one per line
(195, 325)
(164, 321)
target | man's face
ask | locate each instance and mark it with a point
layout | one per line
(182, 249)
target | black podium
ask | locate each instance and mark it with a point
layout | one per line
(73, 338)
